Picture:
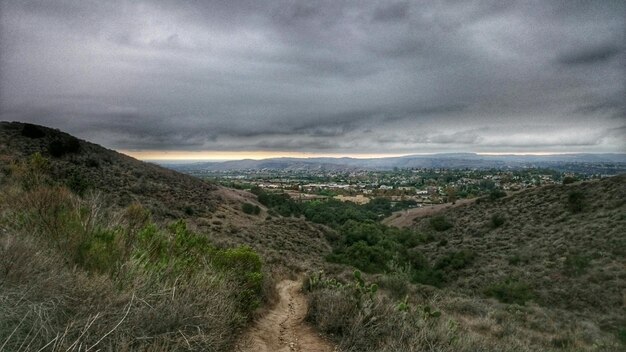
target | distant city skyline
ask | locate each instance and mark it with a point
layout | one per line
(250, 78)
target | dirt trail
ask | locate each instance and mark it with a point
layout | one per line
(283, 328)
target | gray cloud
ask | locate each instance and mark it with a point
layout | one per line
(341, 76)
(591, 55)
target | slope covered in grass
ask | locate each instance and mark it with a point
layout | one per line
(565, 246)
(541, 270)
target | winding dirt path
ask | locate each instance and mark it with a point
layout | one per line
(283, 328)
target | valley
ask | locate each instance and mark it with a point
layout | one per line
(174, 262)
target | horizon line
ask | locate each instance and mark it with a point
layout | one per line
(190, 156)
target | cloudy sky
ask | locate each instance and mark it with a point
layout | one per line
(319, 77)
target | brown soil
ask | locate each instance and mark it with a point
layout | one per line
(283, 328)
(406, 218)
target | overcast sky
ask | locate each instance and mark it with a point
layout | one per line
(323, 77)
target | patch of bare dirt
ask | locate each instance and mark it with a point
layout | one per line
(283, 328)
(406, 218)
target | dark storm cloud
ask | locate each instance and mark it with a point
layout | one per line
(341, 76)
(591, 55)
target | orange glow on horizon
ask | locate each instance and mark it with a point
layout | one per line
(258, 155)
(239, 155)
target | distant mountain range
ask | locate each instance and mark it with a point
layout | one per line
(585, 163)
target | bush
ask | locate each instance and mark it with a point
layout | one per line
(77, 182)
(440, 223)
(429, 276)
(32, 131)
(250, 209)
(456, 260)
(510, 290)
(576, 264)
(496, 194)
(569, 179)
(497, 220)
(62, 146)
(576, 201)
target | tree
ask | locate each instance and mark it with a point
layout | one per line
(451, 194)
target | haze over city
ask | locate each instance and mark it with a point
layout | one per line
(254, 79)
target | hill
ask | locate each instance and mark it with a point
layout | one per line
(83, 166)
(100, 250)
(539, 270)
(583, 163)
(565, 244)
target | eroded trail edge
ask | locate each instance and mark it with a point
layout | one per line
(283, 328)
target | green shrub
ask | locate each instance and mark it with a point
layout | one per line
(429, 276)
(621, 335)
(455, 260)
(510, 290)
(77, 182)
(576, 264)
(576, 201)
(440, 223)
(496, 194)
(102, 251)
(497, 220)
(569, 179)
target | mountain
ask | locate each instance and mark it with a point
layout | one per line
(586, 163)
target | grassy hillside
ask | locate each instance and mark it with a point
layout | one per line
(99, 251)
(542, 270)
(81, 165)
(565, 244)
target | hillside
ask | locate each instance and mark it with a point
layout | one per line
(100, 249)
(566, 242)
(83, 166)
(540, 270)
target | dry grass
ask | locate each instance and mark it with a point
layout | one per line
(64, 288)
(48, 305)
(465, 323)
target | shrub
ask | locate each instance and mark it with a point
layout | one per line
(496, 194)
(497, 220)
(250, 209)
(62, 146)
(440, 223)
(429, 276)
(576, 264)
(519, 258)
(576, 201)
(77, 182)
(455, 260)
(569, 179)
(33, 172)
(92, 162)
(32, 131)
(510, 290)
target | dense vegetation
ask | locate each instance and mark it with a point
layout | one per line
(363, 242)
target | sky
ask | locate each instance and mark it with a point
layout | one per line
(230, 79)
